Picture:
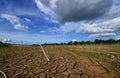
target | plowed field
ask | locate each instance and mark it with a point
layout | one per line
(65, 62)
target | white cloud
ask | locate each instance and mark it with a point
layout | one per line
(6, 40)
(20, 27)
(74, 10)
(68, 27)
(42, 31)
(106, 28)
(44, 8)
(113, 12)
(73, 14)
(15, 21)
(102, 35)
(11, 18)
(28, 20)
(53, 3)
(74, 40)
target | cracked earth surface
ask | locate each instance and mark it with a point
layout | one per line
(65, 62)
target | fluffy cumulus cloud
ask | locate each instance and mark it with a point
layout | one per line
(112, 25)
(20, 27)
(74, 10)
(74, 40)
(106, 28)
(6, 40)
(77, 15)
(15, 21)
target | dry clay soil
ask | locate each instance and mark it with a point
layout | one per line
(65, 62)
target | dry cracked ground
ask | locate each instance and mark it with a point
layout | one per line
(65, 62)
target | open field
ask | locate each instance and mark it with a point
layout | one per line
(65, 61)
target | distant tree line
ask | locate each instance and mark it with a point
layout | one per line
(35, 45)
(4, 44)
(97, 41)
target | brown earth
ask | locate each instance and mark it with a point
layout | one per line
(65, 62)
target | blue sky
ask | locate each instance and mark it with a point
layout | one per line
(52, 21)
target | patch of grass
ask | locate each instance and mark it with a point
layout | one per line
(102, 57)
(71, 71)
(116, 55)
(93, 54)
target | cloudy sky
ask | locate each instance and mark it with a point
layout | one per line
(51, 21)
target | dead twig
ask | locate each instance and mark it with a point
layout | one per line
(44, 53)
(3, 74)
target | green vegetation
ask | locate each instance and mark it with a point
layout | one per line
(4, 44)
(35, 45)
(97, 41)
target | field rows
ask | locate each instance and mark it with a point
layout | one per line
(65, 62)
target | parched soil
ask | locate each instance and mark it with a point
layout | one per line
(65, 62)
